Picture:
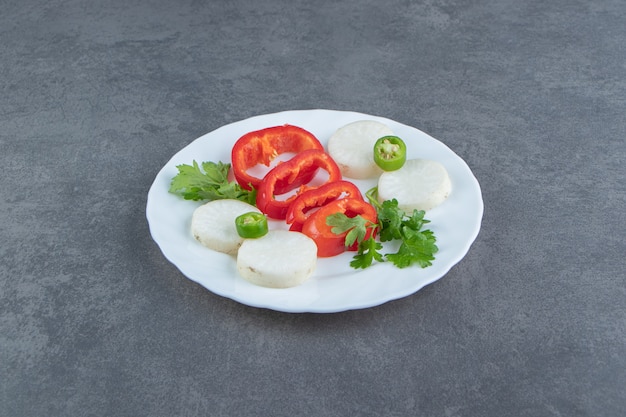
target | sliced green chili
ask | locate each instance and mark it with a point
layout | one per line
(390, 153)
(251, 225)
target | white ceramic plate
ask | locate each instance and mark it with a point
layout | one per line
(335, 286)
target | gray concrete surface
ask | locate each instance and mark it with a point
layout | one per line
(97, 96)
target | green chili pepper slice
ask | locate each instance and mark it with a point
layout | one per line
(390, 153)
(251, 225)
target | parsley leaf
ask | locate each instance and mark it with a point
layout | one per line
(355, 226)
(209, 183)
(418, 247)
(369, 251)
(417, 220)
(390, 219)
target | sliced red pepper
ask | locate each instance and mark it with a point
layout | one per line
(287, 176)
(263, 146)
(329, 243)
(309, 200)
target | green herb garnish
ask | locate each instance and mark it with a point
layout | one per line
(417, 246)
(208, 184)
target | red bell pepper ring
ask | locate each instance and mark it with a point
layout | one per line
(300, 209)
(329, 243)
(288, 176)
(263, 146)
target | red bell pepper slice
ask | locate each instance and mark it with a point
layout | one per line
(262, 146)
(288, 176)
(329, 243)
(302, 206)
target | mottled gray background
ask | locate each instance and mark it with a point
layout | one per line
(95, 97)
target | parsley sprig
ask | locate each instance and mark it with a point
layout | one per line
(355, 226)
(208, 183)
(417, 246)
(369, 251)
